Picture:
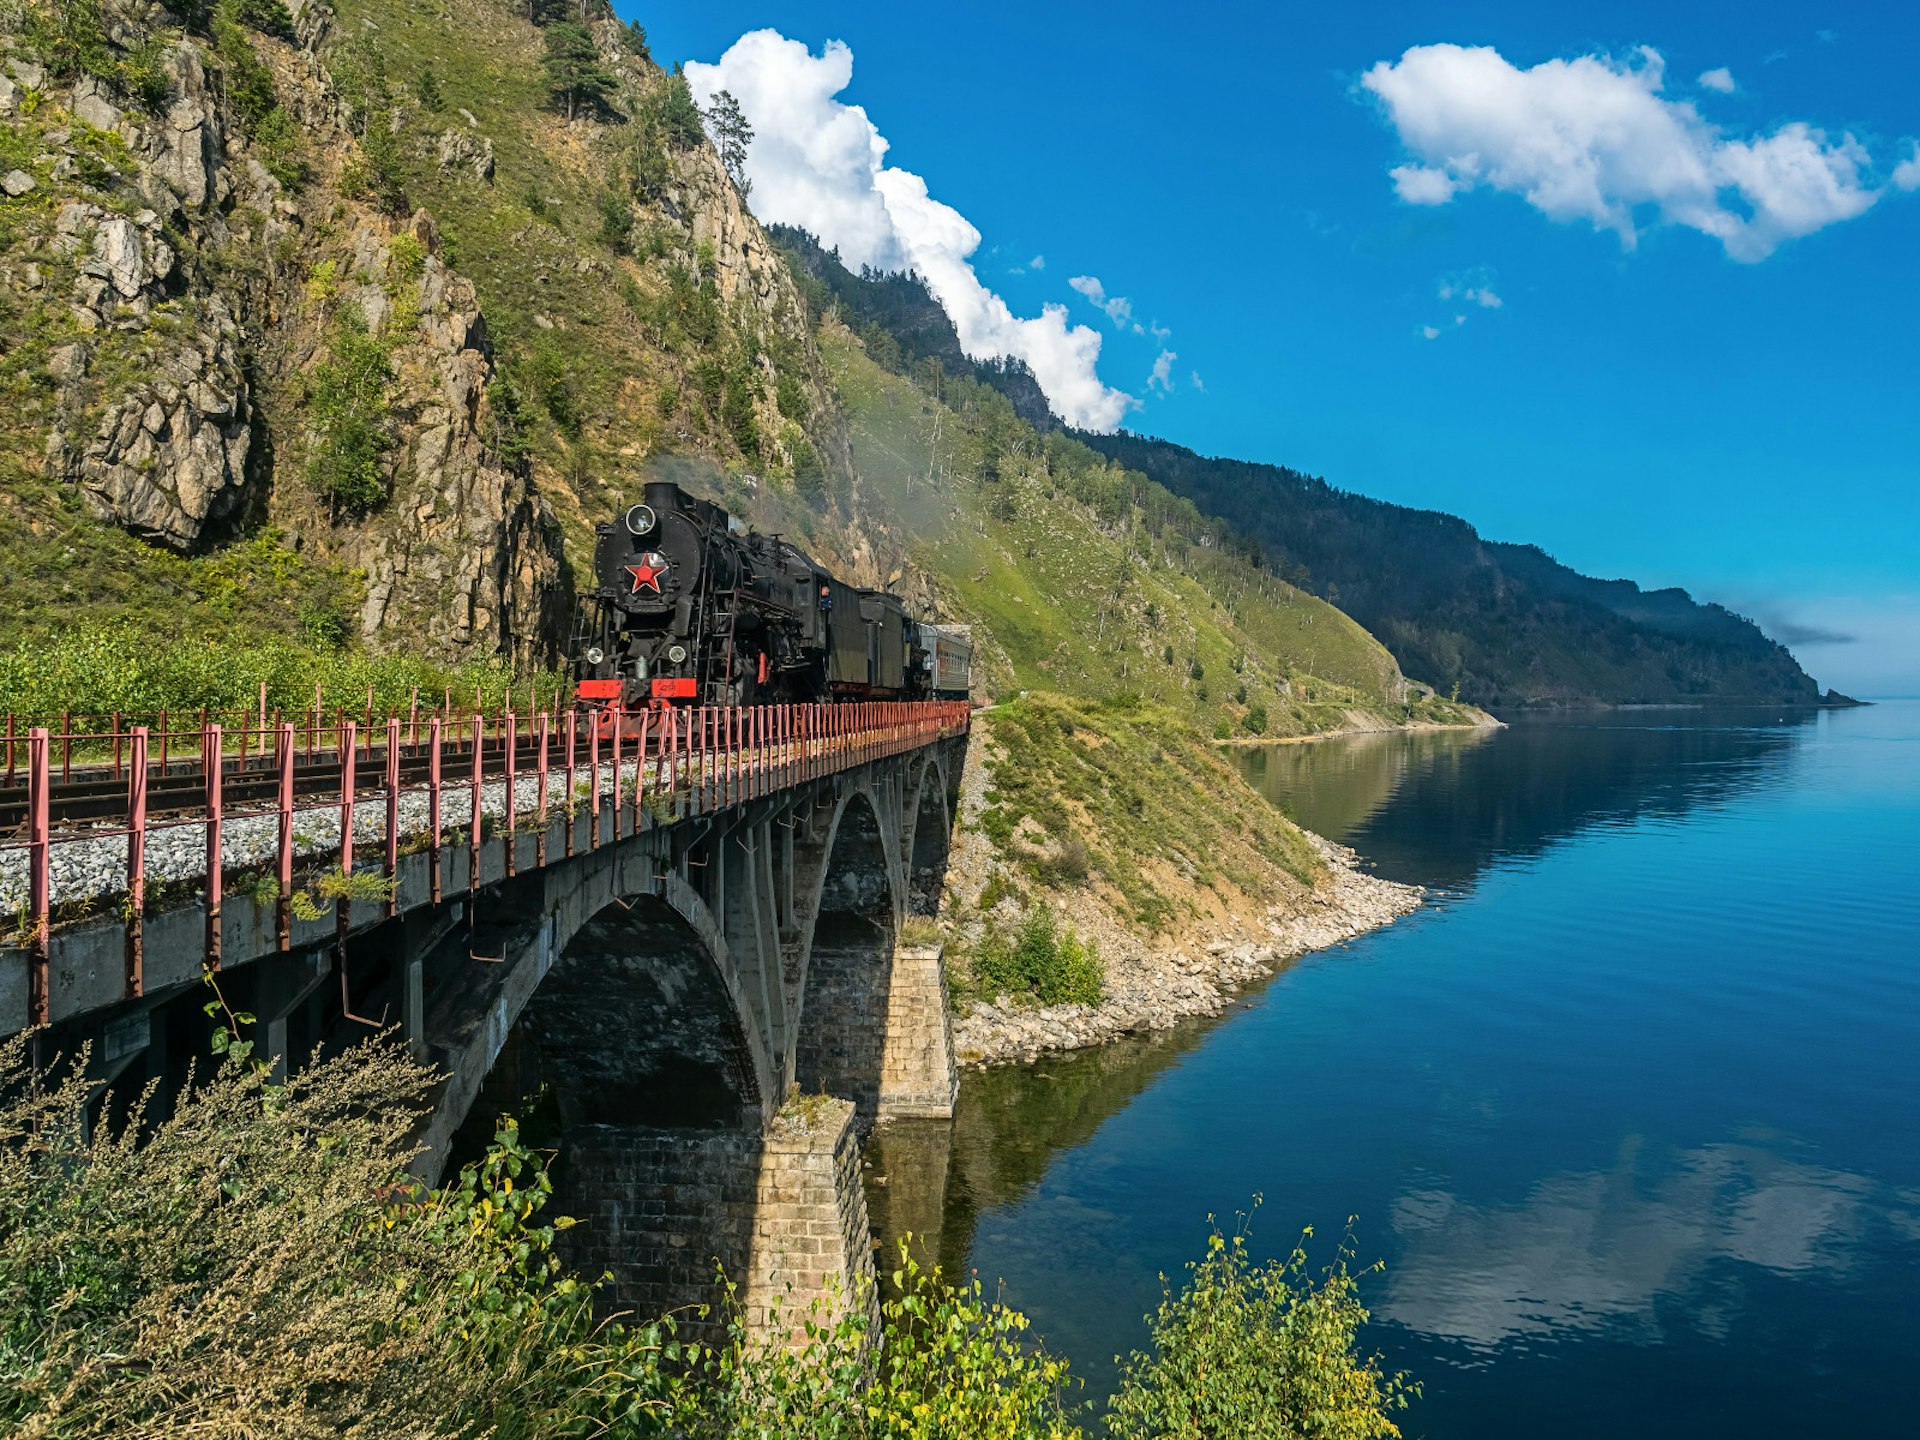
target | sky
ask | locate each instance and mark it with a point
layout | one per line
(1634, 282)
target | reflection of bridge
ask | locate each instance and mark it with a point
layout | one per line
(678, 949)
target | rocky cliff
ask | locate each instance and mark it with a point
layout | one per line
(251, 288)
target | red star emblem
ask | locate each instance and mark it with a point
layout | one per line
(648, 572)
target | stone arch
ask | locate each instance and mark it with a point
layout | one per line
(667, 947)
(636, 1023)
(930, 838)
(845, 985)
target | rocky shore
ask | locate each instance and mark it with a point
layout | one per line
(1151, 989)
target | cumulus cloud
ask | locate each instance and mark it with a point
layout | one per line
(1906, 175)
(1161, 377)
(1119, 309)
(1480, 294)
(1594, 139)
(1038, 262)
(818, 163)
(1720, 79)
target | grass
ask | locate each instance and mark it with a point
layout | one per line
(1147, 800)
(1080, 577)
(98, 668)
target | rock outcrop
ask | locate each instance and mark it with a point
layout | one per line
(179, 404)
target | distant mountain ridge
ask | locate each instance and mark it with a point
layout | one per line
(1507, 624)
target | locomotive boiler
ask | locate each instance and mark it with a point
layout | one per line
(691, 608)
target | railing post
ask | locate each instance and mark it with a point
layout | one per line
(393, 815)
(433, 806)
(573, 727)
(283, 758)
(616, 772)
(136, 861)
(640, 770)
(593, 765)
(212, 765)
(40, 869)
(478, 814)
(540, 791)
(347, 762)
(512, 808)
(671, 750)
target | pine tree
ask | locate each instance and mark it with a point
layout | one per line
(731, 136)
(574, 73)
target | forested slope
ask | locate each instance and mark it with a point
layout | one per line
(1506, 624)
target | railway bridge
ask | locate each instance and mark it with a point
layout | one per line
(672, 945)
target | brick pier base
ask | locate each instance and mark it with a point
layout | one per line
(782, 1214)
(918, 1075)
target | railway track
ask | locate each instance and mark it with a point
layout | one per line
(95, 795)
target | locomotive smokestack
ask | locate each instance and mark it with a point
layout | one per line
(663, 496)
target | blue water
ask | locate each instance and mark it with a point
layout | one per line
(1629, 1110)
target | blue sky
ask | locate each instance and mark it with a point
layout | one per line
(1727, 404)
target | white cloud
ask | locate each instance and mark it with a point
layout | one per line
(1906, 175)
(1038, 262)
(1161, 377)
(1198, 383)
(1119, 309)
(1430, 332)
(1593, 139)
(817, 163)
(1480, 294)
(1720, 79)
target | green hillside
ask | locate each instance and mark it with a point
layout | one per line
(1084, 578)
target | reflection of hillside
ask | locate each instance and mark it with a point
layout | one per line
(1332, 786)
(1011, 1123)
(1598, 1250)
(1450, 809)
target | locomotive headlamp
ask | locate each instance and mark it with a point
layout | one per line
(677, 654)
(595, 655)
(640, 519)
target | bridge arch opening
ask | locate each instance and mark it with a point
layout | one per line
(630, 1060)
(932, 843)
(843, 1009)
(633, 1025)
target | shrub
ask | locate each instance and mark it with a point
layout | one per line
(1246, 1349)
(255, 1260)
(1040, 961)
(952, 1364)
(616, 223)
(348, 409)
(1255, 720)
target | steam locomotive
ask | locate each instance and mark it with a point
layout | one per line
(691, 608)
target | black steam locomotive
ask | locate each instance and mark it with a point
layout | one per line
(691, 608)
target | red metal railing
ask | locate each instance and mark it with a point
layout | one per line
(665, 765)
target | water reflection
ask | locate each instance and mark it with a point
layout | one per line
(1437, 807)
(1596, 1250)
(934, 1178)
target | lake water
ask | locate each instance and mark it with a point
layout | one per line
(1629, 1110)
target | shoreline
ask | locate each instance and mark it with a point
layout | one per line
(1157, 989)
(1407, 727)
